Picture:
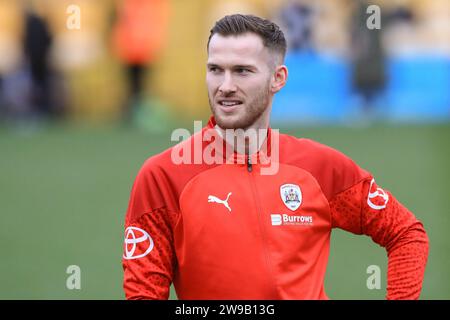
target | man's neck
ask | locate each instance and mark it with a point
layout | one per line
(244, 141)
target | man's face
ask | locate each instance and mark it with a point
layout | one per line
(238, 77)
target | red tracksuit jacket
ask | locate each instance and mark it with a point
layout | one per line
(227, 231)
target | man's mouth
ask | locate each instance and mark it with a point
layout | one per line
(229, 103)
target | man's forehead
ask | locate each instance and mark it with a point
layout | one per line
(238, 48)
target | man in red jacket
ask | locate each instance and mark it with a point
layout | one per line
(252, 220)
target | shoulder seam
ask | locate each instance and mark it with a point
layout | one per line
(151, 211)
(359, 181)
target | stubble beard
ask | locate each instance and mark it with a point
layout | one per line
(253, 110)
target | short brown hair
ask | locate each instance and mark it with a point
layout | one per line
(270, 33)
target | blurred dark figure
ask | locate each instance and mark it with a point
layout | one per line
(401, 14)
(298, 19)
(37, 43)
(139, 35)
(369, 75)
(2, 102)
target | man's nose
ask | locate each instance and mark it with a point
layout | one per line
(227, 86)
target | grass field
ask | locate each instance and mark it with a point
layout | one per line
(64, 192)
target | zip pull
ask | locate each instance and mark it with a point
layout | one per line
(249, 164)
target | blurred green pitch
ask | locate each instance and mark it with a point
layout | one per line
(64, 191)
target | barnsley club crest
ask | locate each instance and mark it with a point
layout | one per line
(291, 196)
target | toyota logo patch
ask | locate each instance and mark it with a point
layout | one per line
(138, 243)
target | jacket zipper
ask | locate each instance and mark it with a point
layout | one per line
(249, 164)
(261, 225)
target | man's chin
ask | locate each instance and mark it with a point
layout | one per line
(229, 121)
(226, 124)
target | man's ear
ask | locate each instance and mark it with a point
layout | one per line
(279, 78)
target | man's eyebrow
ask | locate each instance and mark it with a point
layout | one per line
(239, 66)
(212, 65)
(244, 66)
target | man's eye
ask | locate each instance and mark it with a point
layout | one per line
(242, 70)
(214, 69)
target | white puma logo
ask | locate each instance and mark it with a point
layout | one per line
(217, 200)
